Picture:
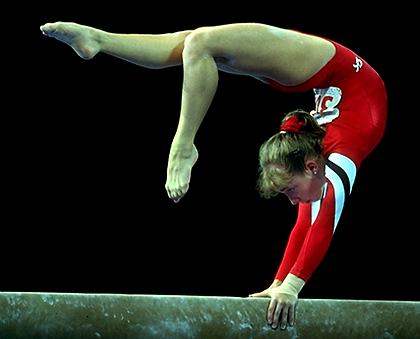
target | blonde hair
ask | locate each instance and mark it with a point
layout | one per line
(284, 154)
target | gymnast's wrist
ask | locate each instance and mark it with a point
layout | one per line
(291, 285)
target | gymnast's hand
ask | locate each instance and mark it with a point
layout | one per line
(178, 175)
(281, 308)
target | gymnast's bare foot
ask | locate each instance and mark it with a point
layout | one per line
(180, 163)
(83, 39)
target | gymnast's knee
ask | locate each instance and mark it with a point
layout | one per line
(197, 43)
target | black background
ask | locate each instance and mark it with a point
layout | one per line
(85, 209)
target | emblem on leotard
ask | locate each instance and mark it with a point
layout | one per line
(326, 101)
(358, 64)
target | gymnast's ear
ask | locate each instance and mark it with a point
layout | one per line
(311, 167)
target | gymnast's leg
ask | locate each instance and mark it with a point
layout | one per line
(256, 50)
(147, 50)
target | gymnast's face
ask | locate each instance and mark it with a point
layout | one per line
(305, 187)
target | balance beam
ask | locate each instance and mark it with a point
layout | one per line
(120, 316)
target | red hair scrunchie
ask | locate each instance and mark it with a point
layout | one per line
(292, 125)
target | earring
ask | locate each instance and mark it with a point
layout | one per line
(315, 172)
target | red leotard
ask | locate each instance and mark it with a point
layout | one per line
(351, 101)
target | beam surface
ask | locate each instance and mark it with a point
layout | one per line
(120, 316)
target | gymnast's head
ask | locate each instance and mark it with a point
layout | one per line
(291, 161)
